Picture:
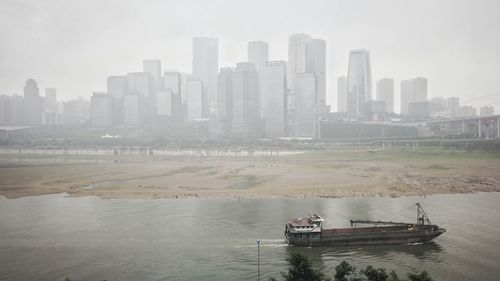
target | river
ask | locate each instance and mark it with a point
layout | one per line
(52, 237)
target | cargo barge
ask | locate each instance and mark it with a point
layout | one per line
(309, 231)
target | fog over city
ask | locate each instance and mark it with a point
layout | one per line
(75, 45)
(346, 140)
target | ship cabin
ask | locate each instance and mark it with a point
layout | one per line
(306, 230)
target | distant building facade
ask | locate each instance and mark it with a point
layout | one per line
(273, 98)
(32, 104)
(342, 94)
(487, 111)
(246, 101)
(206, 68)
(359, 82)
(101, 105)
(412, 90)
(385, 93)
(195, 99)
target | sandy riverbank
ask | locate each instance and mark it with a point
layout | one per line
(312, 174)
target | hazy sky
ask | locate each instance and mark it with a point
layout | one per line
(75, 45)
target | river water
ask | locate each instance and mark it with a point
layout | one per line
(52, 237)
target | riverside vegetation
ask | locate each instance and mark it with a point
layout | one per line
(300, 269)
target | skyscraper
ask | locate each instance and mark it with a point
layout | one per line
(246, 103)
(273, 98)
(342, 94)
(225, 94)
(412, 90)
(359, 82)
(50, 100)
(172, 81)
(101, 105)
(133, 109)
(142, 83)
(117, 87)
(319, 58)
(258, 54)
(305, 56)
(300, 57)
(306, 105)
(194, 98)
(385, 93)
(206, 68)
(32, 104)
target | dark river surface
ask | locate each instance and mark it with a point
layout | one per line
(52, 237)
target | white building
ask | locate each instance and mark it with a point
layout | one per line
(385, 93)
(342, 94)
(306, 107)
(225, 94)
(194, 99)
(133, 109)
(273, 98)
(206, 68)
(487, 111)
(101, 105)
(359, 82)
(412, 90)
(246, 101)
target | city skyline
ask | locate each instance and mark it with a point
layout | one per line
(106, 47)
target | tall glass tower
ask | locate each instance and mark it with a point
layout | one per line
(359, 82)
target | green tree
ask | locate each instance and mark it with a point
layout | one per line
(300, 269)
(393, 276)
(373, 274)
(423, 276)
(343, 271)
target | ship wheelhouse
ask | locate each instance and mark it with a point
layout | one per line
(305, 230)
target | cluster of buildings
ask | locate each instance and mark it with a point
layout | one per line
(256, 98)
(32, 109)
(354, 96)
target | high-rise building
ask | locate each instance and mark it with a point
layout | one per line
(164, 103)
(4, 110)
(194, 98)
(300, 57)
(50, 110)
(172, 81)
(101, 105)
(206, 68)
(306, 106)
(273, 98)
(133, 109)
(225, 95)
(143, 83)
(75, 112)
(412, 90)
(385, 93)
(11, 110)
(32, 104)
(258, 54)
(246, 101)
(319, 60)
(342, 94)
(50, 100)
(486, 111)
(359, 82)
(305, 56)
(117, 87)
